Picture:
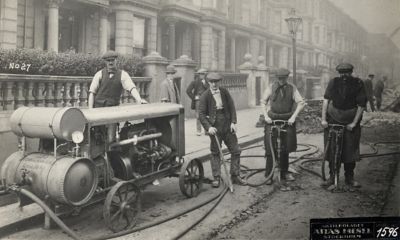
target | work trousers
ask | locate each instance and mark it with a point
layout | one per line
(198, 123)
(378, 103)
(230, 139)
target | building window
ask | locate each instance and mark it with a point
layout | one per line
(329, 40)
(277, 22)
(25, 22)
(139, 35)
(316, 35)
(261, 12)
(300, 32)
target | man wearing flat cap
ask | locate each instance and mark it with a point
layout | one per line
(369, 91)
(107, 86)
(217, 114)
(281, 101)
(344, 102)
(194, 91)
(169, 90)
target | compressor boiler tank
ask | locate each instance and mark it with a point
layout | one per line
(65, 180)
(46, 122)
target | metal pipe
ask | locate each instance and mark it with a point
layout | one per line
(135, 140)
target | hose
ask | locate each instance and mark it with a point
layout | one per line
(49, 212)
(129, 231)
(182, 233)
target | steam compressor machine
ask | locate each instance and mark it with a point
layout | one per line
(77, 164)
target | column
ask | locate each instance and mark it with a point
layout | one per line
(196, 44)
(185, 69)
(123, 32)
(233, 53)
(271, 56)
(159, 38)
(263, 49)
(206, 37)
(154, 66)
(103, 30)
(152, 34)
(221, 51)
(52, 34)
(171, 42)
(254, 49)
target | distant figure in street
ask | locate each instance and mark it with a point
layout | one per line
(344, 102)
(169, 90)
(194, 91)
(281, 101)
(369, 91)
(378, 90)
(107, 86)
(217, 114)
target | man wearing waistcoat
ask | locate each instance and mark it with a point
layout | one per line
(169, 91)
(281, 101)
(194, 91)
(107, 86)
(217, 114)
(344, 102)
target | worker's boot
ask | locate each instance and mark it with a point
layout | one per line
(329, 182)
(349, 175)
(215, 183)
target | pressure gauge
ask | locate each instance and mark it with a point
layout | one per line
(77, 137)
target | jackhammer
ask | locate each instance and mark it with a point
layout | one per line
(336, 130)
(280, 126)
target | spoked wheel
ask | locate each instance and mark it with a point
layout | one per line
(122, 206)
(191, 178)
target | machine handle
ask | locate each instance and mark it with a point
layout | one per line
(135, 140)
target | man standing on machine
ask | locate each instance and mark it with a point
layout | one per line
(281, 101)
(344, 102)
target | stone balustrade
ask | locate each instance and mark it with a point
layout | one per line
(234, 81)
(53, 91)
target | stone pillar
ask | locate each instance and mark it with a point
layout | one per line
(263, 49)
(262, 73)
(271, 56)
(103, 30)
(221, 51)
(233, 53)
(159, 38)
(52, 33)
(171, 42)
(185, 69)
(206, 38)
(152, 35)
(123, 32)
(248, 68)
(154, 66)
(283, 57)
(254, 49)
(8, 24)
(196, 44)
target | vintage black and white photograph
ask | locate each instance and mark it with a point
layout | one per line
(199, 119)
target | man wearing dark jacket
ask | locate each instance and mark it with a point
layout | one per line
(378, 90)
(369, 91)
(194, 91)
(217, 114)
(344, 103)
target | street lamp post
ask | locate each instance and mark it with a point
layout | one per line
(293, 23)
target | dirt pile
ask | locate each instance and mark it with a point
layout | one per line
(380, 126)
(309, 120)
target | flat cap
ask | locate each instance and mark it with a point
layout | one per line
(282, 72)
(213, 77)
(202, 71)
(110, 55)
(344, 67)
(371, 75)
(170, 69)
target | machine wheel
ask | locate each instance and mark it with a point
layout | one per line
(122, 206)
(191, 178)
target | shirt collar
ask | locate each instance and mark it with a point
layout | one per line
(215, 92)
